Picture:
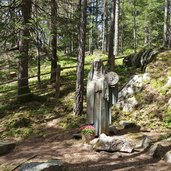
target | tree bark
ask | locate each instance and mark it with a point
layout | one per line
(104, 31)
(111, 37)
(166, 20)
(96, 22)
(122, 27)
(116, 28)
(91, 34)
(78, 107)
(53, 41)
(38, 43)
(134, 27)
(23, 87)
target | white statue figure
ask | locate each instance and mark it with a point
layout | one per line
(101, 94)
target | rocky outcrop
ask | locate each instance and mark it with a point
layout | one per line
(126, 97)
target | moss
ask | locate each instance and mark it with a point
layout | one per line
(157, 84)
(167, 118)
(3, 167)
(169, 72)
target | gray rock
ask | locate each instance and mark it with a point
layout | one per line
(168, 84)
(169, 103)
(94, 141)
(159, 149)
(130, 91)
(132, 101)
(6, 147)
(155, 150)
(146, 142)
(107, 143)
(130, 104)
(146, 77)
(126, 98)
(140, 142)
(52, 165)
(167, 157)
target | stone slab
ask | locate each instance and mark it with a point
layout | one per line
(51, 165)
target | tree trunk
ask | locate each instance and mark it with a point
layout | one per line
(91, 46)
(104, 41)
(53, 41)
(166, 20)
(38, 43)
(78, 108)
(23, 87)
(97, 14)
(116, 28)
(111, 38)
(38, 65)
(122, 28)
(134, 27)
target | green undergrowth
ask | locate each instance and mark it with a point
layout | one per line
(24, 120)
(152, 111)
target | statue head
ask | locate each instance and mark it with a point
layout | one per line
(97, 66)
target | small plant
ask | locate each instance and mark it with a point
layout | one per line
(88, 129)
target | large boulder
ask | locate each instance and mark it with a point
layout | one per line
(112, 144)
(138, 140)
(159, 149)
(51, 165)
(156, 150)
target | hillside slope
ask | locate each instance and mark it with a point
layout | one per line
(152, 108)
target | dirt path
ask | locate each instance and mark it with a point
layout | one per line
(78, 157)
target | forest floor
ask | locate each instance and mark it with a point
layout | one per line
(77, 157)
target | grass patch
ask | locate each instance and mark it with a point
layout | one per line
(70, 122)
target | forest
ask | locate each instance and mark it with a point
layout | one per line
(47, 48)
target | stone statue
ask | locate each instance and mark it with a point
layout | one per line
(101, 95)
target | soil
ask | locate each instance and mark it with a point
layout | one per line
(77, 156)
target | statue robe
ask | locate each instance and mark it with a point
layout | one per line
(98, 104)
